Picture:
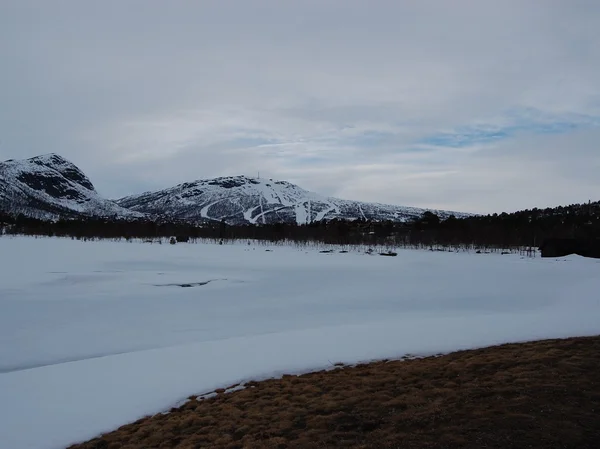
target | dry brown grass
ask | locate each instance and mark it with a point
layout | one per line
(535, 395)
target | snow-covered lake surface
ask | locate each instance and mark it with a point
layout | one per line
(95, 335)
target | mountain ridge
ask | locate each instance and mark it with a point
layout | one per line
(49, 187)
(247, 200)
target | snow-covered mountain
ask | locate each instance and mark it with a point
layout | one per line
(244, 200)
(49, 187)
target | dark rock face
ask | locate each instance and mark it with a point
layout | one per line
(55, 186)
(78, 177)
(227, 183)
(67, 169)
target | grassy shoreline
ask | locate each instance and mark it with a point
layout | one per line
(543, 394)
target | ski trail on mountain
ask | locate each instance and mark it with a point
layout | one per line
(262, 214)
(302, 213)
(204, 210)
(323, 213)
(362, 211)
(258, 200)
(248, 214)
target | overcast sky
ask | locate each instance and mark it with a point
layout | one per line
(479, 106)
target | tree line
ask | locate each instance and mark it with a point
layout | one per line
(523, 229)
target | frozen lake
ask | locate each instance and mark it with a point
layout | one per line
(94, 335)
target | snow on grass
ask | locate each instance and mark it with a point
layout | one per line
(95, 335)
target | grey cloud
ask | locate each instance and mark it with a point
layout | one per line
(145, 94)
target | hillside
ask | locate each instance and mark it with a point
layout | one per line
(49, 186)
(244, 200)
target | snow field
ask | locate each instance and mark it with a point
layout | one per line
(94, 335)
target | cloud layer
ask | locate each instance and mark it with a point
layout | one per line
(479, 106)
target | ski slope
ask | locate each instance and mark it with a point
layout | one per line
(244, 200)
(94, 335)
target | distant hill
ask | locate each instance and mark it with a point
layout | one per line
(49, 186)
(244, 200)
